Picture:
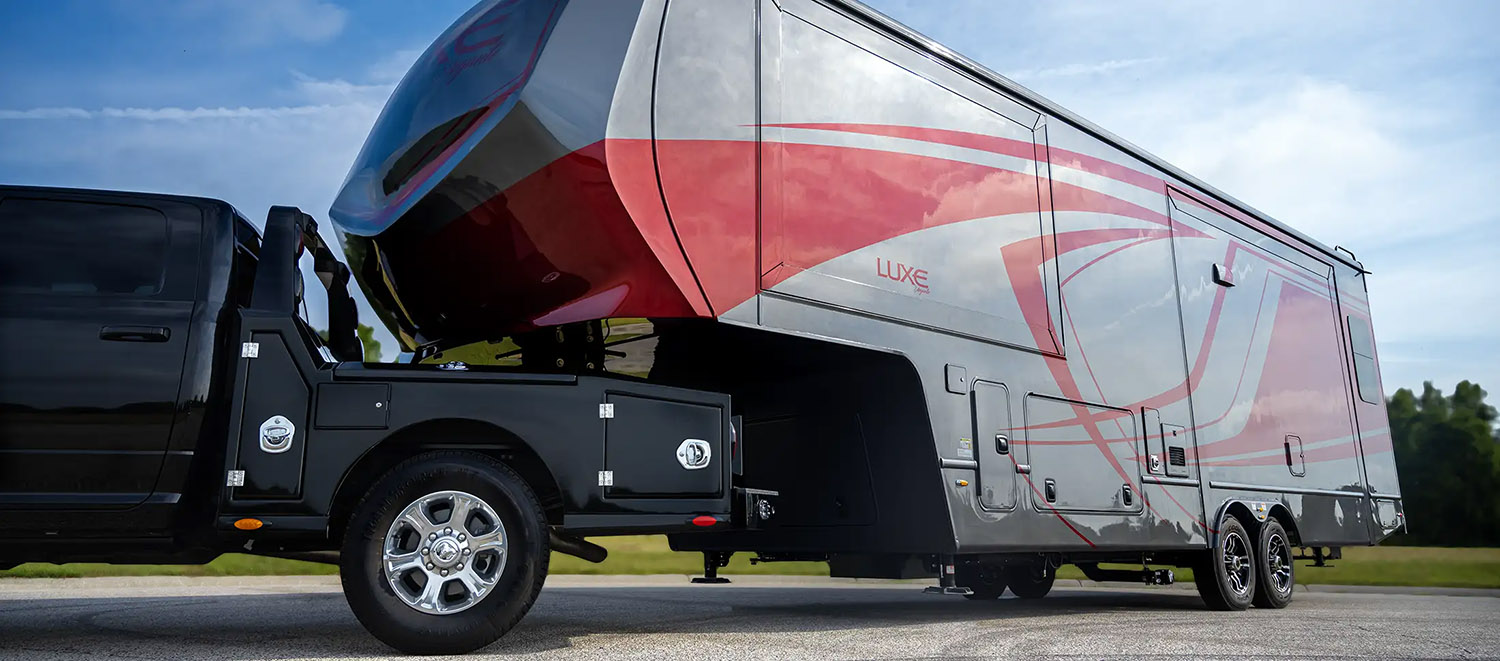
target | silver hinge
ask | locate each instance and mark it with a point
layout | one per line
(250, 350)
(606, 478)
(235, 479)
(606, 411)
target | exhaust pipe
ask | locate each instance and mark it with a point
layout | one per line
(578, 547)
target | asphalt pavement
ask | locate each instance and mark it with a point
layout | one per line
(756, 617)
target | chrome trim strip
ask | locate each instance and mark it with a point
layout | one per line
(960, 463)
(1293, 490)
(1170, 481)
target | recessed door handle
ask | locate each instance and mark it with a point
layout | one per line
(135, 333)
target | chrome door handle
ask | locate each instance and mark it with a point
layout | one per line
(1024, 469)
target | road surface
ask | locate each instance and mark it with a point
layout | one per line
(661, 618)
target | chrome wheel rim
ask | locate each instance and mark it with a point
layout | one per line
(444, 552)
(1279, 559)
(1237, 565)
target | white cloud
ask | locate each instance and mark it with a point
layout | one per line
(162, 114)
(260, 22)
(46, 113)
(1083, 69)
(391, 68)
(338, 91)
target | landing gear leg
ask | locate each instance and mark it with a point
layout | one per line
(712, 561)
(948, 578)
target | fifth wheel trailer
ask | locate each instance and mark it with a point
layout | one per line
(963, 332)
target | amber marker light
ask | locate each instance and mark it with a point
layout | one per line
(249, 524)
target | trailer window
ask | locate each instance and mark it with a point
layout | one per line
(65, 247)
(1366, 376)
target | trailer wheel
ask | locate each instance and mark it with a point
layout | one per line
(986, 581)
(1027, 582)
(445, 553)
(1226, 577)
(1275, 573)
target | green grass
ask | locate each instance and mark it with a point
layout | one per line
(1410, 565)
(1383, 565)
(230, 564)
(1388, 565)
(650, 555)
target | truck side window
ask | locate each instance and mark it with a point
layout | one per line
(1365, 375)
(66, 247)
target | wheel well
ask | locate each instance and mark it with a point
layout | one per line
(1287, 521)
(445, 434)
(1241, 511)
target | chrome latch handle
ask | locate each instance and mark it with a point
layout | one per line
(276, 434)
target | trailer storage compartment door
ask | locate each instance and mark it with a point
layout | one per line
(995, 446)
(1064, 440)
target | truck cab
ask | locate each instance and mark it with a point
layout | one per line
(112, 305)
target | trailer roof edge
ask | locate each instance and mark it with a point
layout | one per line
(1008, 86)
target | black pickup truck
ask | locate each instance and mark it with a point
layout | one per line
(162, 401)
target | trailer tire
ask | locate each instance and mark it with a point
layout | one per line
(506, 558)
(1226, 575)
(1027, 583)
(1275, 573)
(986, 581)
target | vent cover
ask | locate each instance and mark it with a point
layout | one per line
(1176, 456)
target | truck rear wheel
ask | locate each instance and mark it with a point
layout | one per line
(445, 553)
(1274, 571)
(1226, 577)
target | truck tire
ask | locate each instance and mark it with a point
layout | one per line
(986, 581)
(1226, 576)
(1275, 574)
(445, 553)
(1027, 583)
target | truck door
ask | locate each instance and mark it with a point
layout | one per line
(995, 446)
(96, 295)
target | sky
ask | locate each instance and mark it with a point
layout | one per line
(1368, 124)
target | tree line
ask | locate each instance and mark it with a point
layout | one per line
(1449, 466)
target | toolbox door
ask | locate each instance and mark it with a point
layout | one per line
(663, 448)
